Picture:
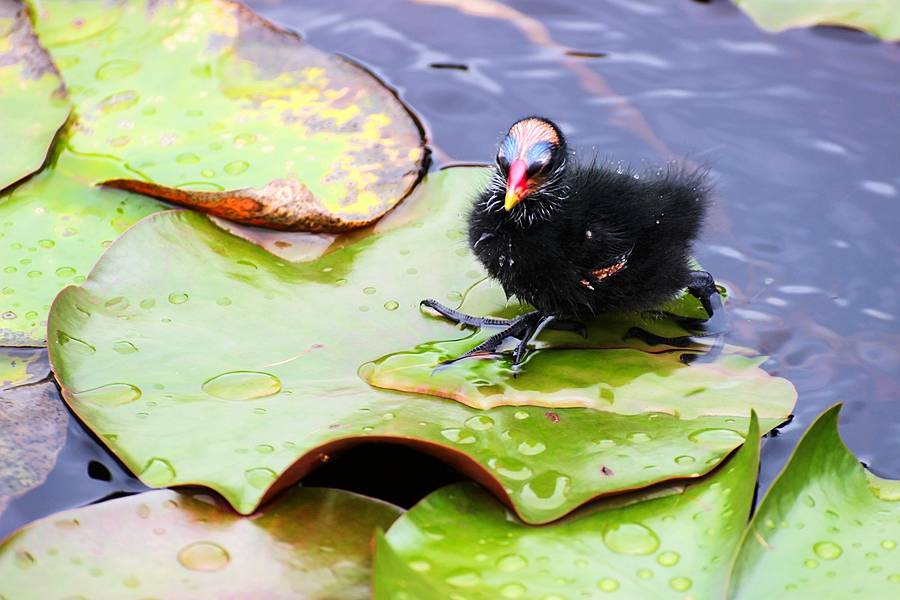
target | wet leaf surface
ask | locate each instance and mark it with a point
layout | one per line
(33, 103)
(675, 542)
(207, 105)
(607, 370)
(826, 528)
(52, 230)
(310, 543)
(200, 358)
(878, 17)
(33, 422)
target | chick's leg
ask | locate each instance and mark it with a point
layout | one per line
(532, 331)
(522, 327)
(473, 321)
(702, 286)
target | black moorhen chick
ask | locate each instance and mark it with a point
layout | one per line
(575, 240)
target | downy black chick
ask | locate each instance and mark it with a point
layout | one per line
(575, 240)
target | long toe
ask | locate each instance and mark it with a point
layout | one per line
(521, 327)
(462, 318)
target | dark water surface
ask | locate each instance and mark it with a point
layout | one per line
(800, 130)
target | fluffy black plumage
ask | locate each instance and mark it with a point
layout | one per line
(575, 240)
(546, 250)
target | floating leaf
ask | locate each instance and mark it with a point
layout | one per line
(207, 105)
(33, 422)
(878, 17)
(33, 102)
(22, 366)
(52, 229)
(673, 543)
(200, 358)
(826, 528)
(606, 371)
(310, 543)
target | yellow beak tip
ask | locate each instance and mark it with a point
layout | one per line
(511, 200)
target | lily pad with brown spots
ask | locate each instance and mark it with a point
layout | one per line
(33, 103)
(207, 105)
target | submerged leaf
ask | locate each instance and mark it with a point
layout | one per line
(826, 528)
(53, 228)
(33, 421)
(878, 17)
(240, 369)
(33, 102)
(310, 543)
(207, 105)
(22, 366)
(674, 543)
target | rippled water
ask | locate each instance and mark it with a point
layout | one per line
(800, 130)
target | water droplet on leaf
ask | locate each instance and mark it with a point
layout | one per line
(113, 394)
(242, 385)
(631, 539)
(827, 550)
(203, 556)
(158, 472)
(260, 477)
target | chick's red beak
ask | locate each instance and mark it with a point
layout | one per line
(515, 183)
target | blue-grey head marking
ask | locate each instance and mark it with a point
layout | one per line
(539, 153)
(507, 148)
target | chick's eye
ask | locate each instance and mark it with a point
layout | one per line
(536, 167)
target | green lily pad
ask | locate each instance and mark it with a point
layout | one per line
(826, 529)
(604, 371)
(207, 105)
(200, 358)
(33, 102)
(310, 543)
(52, 229)
(33, 421)
(878, 17)
(673, 543)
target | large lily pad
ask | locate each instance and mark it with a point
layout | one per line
(200, 358)
(311, 543)
(878, 17)
(674, 543)
(208, 105)
(826, 528)
(33, 102)
(33, 421)
(52, 230)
